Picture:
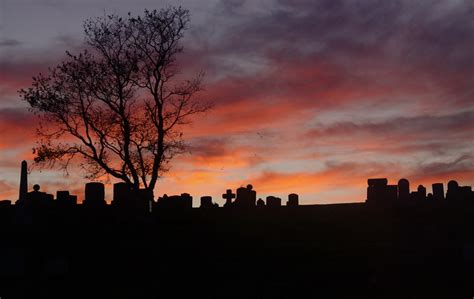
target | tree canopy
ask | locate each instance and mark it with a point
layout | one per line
(118, 106)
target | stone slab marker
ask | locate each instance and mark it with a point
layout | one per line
(438, 191)
(23, 180)
(94, 194)
(122, 194)
(293, 200)
(206, 202)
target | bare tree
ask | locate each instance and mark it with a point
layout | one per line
(117, 106)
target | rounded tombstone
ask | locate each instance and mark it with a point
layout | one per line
(206, 202)
(404, 183)
(453, 185)
(293, 199)
(421, 192)
(453, 191)
(241, 192)
(403, 189)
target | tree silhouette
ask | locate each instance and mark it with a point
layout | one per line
(118, 106)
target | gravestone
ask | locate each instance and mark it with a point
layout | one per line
(421, 192)
(242, 197)
(63, 198)
(37, 196)
(252, 195)
(453, 191)
(260, 203)
(23, 180)
(228, 196)
(187, 201)
(206, 202)
(377, 190)
(183, 201)
(246, 197)
(403, 189)
(438, 191)
(377, 182)
(293, 200)
(273, 202)
(94, 195)
(122, 195)
(162, 201)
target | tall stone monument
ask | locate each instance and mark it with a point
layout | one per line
(23, 180)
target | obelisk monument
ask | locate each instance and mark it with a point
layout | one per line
(23, 180)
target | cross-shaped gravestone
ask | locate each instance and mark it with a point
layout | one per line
(228, 195)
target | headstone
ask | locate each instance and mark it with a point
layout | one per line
(438, 191)
(252, 196)
(63, 198)
(403, 189)
(242, 197)
(94, 195)
(228, 196)
(38, 199)
(453, 190)
(246, 197)
(183, 201)
(174, 201)
(293, 200)
(377, 182)
(421, 192)
(163, 201)
(260, 203)
(377, 191)
(122, 195)
(187, 200)
(23, 180)
(206, 202)
(273, 201)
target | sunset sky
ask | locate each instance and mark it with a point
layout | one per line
(311, 97)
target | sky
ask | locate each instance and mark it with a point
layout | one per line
(311, 97)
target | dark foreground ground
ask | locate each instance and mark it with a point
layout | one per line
(333, 251)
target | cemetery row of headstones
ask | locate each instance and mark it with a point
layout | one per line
(125, 197)
(379, 192)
